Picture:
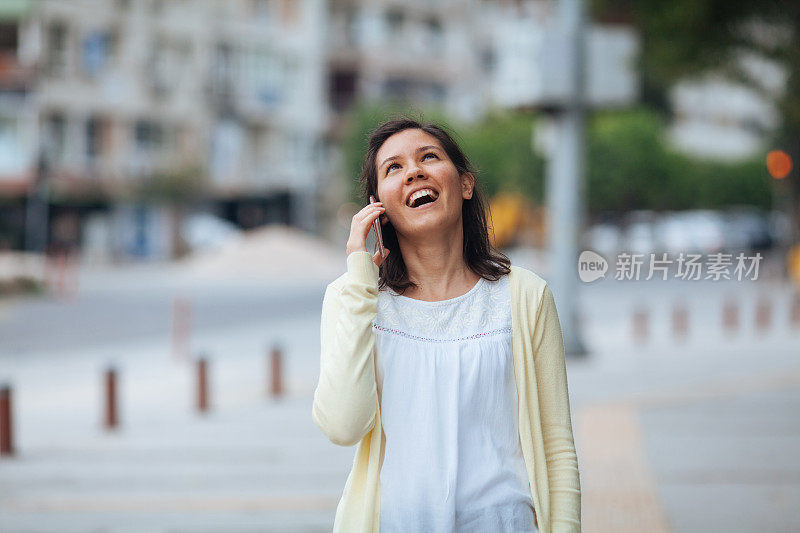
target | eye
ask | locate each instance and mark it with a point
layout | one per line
(389, 168)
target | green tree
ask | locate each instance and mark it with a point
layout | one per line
(500, 148)
(688, 38)
(631, 166)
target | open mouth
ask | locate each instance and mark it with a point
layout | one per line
(422, 198)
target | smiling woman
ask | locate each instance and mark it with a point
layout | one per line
(405, 158)
(441, 360)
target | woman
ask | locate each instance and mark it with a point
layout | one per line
(442, 361)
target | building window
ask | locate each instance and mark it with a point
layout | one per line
(351, 27)
(12, 153)
(395, 19)
(57, 49)
(93, 139)
(223, 68)
(342, 88)
(487, 60)
(435, 35)
(97, 51)
(9, 38)
(397, 89)
(55, 138)
(394, 22)
(149, 136)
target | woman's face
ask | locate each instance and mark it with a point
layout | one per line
(412, 160)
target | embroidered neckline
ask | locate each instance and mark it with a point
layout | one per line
(426, 303)
(506, 329)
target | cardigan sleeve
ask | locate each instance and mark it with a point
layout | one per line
(562, 462)
(345, 400)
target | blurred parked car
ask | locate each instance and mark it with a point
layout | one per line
(747, 229)
(674, 233)
(603, 238)
(696, 231)
(639, 238)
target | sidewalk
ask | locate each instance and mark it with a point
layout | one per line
(692, 435)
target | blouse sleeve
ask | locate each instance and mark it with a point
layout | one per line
(562, 462)
(345, 400)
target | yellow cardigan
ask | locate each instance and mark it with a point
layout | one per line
(347, 410)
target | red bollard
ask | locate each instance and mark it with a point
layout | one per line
(202, 385)
(763, 315)
(640, 324)
(181, 327)
(794, 313)
(730, 316)
(111, 399)
(6, 422)
(680, 320)
(276, 374)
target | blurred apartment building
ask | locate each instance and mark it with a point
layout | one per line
(429, 52)
(98, 95)
(716, 118)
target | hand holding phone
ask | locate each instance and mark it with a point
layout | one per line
(378, 236)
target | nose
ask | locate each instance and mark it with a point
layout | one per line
(414, 172)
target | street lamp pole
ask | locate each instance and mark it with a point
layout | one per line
(565, 190)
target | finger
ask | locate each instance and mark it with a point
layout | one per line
(369, 206)
(377, 259)
(366, 221)
(368, 209)
(373, 214)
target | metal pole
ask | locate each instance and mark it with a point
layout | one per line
(565, 183)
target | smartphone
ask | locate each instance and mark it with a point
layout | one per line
(377, 225)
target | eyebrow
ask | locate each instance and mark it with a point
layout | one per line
(418, 150)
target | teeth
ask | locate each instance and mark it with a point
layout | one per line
(423, 192)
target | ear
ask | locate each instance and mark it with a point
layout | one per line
(467, 185)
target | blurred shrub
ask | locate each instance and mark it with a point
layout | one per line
(185, 182)
(19, 285)
(631, 166)
(500, 148)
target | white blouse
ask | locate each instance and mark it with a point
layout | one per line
(445, 373)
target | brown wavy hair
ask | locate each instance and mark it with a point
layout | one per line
(479, 254)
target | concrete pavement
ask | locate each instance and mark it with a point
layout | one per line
(698, 434)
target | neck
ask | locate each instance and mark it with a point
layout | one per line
(435, 263)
